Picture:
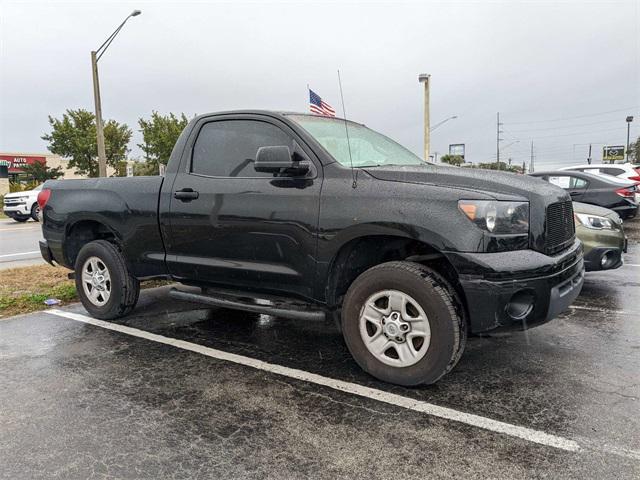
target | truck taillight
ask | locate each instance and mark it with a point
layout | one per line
(627, 192)
(43, 197)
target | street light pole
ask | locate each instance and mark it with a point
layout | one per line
(102, 154)
(424, 78)
(629, 120)
(95, 56)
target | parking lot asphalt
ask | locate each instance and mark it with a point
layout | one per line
(19, 243)
(160, 397)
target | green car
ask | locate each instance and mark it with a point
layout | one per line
(602, 236)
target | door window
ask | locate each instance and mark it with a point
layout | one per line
(228, 148)
(577, 183)
(560, 181)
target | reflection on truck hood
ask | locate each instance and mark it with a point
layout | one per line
(491, 182)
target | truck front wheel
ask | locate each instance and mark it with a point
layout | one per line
(402, 324)
(106, 288)
(35, 212)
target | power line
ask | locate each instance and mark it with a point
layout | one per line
(577, 116)
(576, 133)
(566, 126)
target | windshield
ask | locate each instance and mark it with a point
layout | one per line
(368, 148)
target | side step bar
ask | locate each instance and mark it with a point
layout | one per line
(278, 307)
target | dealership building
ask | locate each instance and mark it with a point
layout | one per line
(16, 162)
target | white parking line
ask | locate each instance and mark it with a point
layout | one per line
(631, 265)
(597, 309)
(19, 254)
(528, 434)
(22, 229)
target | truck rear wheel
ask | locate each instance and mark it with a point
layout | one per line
(400, 323)
(106, 288)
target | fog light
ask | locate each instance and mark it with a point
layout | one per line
(520, 304)
(609, 259)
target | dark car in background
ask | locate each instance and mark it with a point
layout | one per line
(606, 191)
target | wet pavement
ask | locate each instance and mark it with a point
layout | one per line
(79, 401)
(19, 243)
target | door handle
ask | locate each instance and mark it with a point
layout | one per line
(186, 194)
(574, 193)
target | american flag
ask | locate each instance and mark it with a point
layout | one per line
(317, 106)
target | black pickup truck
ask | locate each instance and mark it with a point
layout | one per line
(284, 214)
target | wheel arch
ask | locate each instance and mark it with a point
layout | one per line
(361, 253)
(81, 232)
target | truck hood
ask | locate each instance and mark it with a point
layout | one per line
(489, 182)
(19, 194)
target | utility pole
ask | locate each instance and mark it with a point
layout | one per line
(524, 170)
(531, 160)
(102, 154)
(589, 157)
(498, 132)
(424, 78)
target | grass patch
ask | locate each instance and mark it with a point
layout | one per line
(24, 289)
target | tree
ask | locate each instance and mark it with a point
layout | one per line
(40, 172)
(144, 169)
(159, 135)
(505, 167)
(74, 137)
(455, 160)
(634, 151)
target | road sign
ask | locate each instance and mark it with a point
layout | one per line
(612, 153)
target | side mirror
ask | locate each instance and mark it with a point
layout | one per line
(279, 160)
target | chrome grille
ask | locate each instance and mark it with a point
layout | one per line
(560, 230)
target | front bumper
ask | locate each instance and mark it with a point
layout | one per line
(519, 289)
(603, 249)
(16, 210)
(603, 258)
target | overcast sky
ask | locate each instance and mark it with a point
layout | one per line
(562, 74)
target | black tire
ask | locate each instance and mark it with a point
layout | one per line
(434, 295)
(35, 211)
(21, 219)
(124, 288)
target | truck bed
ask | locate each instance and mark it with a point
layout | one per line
(126, 207)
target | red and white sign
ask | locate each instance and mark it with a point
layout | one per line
(17, 162)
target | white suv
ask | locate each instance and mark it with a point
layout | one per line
(625, 171)
(21, 206)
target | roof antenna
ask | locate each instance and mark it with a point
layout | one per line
(354, 174)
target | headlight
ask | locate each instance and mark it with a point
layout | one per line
(498, 218)
(594, 221)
